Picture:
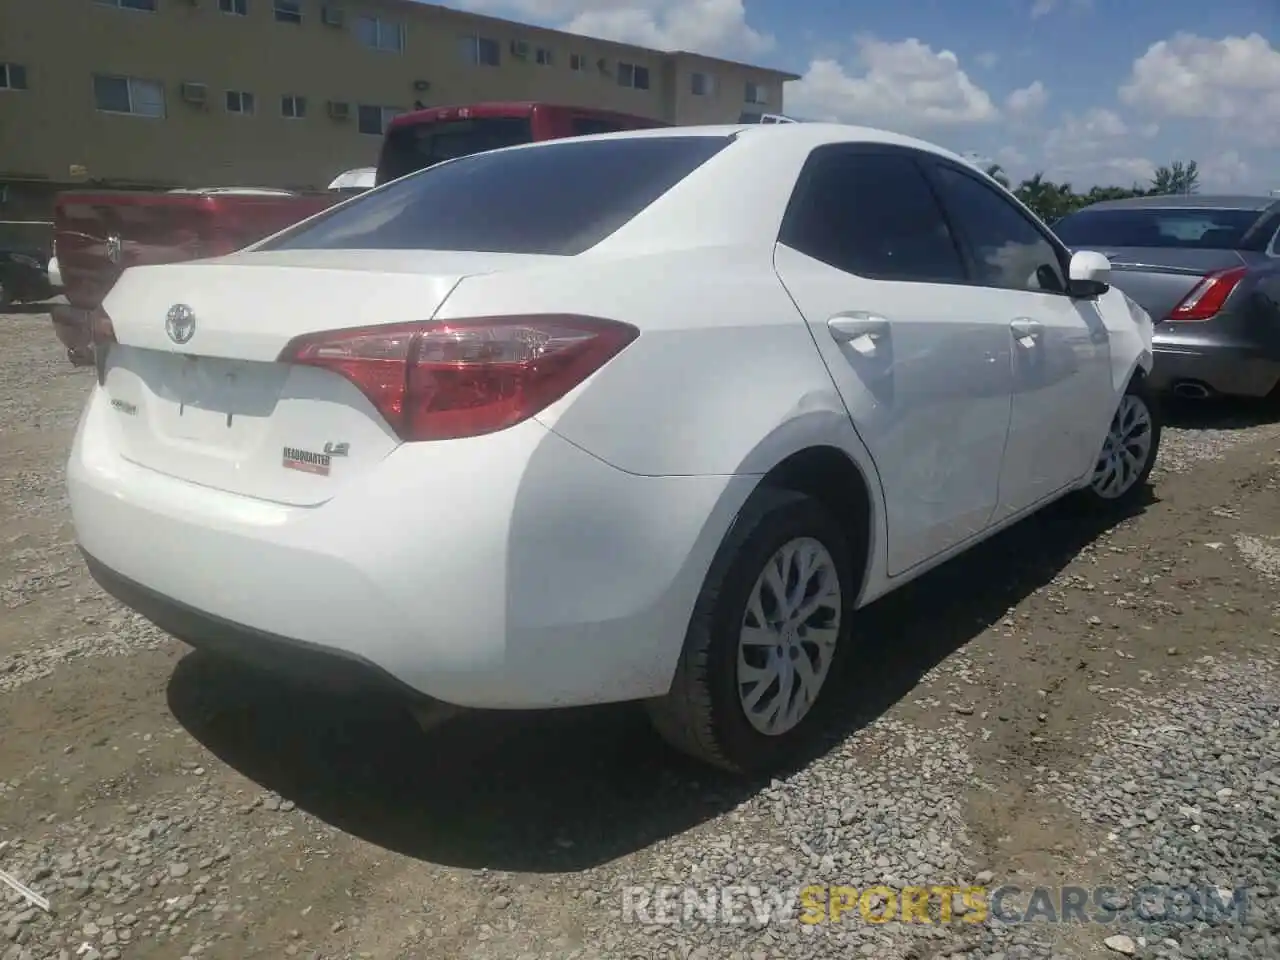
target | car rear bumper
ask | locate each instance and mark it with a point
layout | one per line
(511, 571)
(1229, 368)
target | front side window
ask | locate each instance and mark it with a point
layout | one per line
(559, 198)
(142, 98)
(873, 215)
(1009, 249)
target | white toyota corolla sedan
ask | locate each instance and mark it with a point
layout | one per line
(642, 416)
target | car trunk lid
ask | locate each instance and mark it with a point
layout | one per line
(218, 409)
(1158, 278)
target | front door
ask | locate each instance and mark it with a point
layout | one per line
(922, 364)
(1062, 379)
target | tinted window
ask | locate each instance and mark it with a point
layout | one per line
(558, 198)
(1187, 229)
(416, 147)
(1010, 251)
(874, 215)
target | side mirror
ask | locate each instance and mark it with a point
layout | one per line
(1089, 274)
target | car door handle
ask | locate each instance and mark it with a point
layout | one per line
(1026, 331)
(862, 331)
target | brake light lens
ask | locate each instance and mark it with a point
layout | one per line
(1207, 297)
(464, 378)
(103, 334)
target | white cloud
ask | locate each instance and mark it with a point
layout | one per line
(705, 26)
(904, 86)
(987, 60)
(1096, 147)
(1227, 80)
(1027, 100)
(1226, 171)
(1042, 8)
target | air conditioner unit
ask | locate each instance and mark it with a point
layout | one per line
(338, 110)
(520, 49)
(332, 16)
(197, 93)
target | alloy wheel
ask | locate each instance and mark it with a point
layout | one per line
(788, 636)
(1125, 451)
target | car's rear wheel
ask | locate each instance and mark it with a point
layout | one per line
(1129, 450)
(768, 631)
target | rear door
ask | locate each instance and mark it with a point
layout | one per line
(918, 356)
(1063, 390)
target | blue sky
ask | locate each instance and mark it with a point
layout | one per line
(1091, 91)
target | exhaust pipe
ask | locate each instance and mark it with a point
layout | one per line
(1191, 390)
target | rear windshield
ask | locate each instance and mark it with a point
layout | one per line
(422, 145)
(559, 197)
(1192, 228)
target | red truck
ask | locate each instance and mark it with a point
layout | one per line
(98, 234)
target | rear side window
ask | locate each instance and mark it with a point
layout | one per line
(874, 215)
(559, 198)
(417, 146)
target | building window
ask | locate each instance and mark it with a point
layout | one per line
(577, 63)
(380, 34)
(630, 75)
(142, 98)
(239, 8)
(544, 57)
(13, 76)
(240, 101)
(294, 108)
(480, 51)
(288, 11)
(148, 5)
(702, 85)
(755, 93)
(373, 120)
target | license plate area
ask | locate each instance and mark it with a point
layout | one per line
(217, 402)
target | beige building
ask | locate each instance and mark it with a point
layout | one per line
(292, 92)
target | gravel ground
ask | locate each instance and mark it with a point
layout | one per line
(1068, 705)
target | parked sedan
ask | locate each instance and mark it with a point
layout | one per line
(1207, 269)
(571, 423)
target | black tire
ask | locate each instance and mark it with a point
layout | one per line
(1137, 390)
(702, 714)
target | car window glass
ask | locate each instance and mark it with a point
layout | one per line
(874, 215)
(558, 198)
(1009, 250)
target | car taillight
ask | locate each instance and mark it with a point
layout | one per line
(464, 378)
(103, 333)
(1207, 297)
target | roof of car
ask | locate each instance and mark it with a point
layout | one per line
(805, 134)
(1182, 201)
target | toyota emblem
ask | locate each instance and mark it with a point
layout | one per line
(115, 248)
(180, 323)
